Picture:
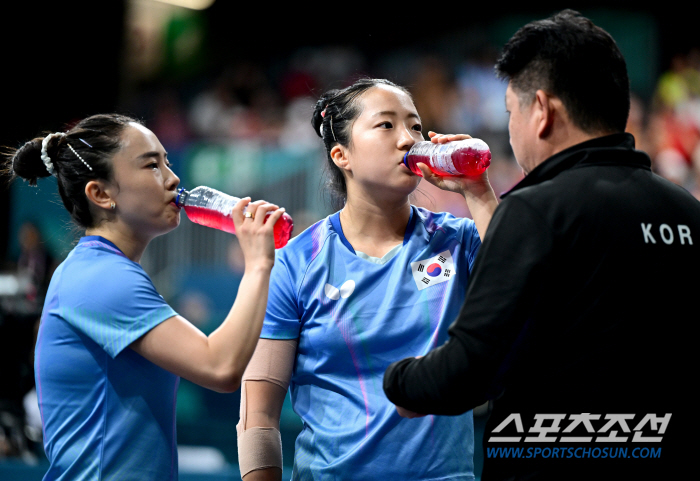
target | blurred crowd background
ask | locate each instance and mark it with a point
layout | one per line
(229, 91)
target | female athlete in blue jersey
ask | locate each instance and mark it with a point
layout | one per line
(110, 350)
(373, 283)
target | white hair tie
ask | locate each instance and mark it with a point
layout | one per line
(44, 150)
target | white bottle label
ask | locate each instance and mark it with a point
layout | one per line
(442, 159)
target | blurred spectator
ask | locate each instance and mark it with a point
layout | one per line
(215, 109)
(637, 125)
(681, 83)
(34, 263)
(297, 83)
(481, 107)
(330, 66)
(265, 117)
(239, 105)
(20, 310)
(436, 96)
(676, 121)
(297, 132)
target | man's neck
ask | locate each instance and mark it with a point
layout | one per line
(563, 138)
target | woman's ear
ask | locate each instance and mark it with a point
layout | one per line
(99, 194)
(339, 156)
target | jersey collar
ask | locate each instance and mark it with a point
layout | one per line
(99, 241)
(335, 222)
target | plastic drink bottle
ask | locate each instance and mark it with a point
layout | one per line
(461, 157)
(209, 207)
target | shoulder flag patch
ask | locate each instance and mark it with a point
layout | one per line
(435, 270)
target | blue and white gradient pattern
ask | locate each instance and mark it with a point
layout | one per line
(107, 412)
(353, 318)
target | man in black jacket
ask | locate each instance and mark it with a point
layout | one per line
(577, 322)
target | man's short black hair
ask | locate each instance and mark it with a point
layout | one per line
(566, 55)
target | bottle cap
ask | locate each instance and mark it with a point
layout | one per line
(181, 193)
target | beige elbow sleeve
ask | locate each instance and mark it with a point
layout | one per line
(260, 447)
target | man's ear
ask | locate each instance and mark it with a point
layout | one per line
(546, 111)
(98, 192)
(339, 156)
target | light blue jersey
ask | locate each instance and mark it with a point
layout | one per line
(108, 413)
(353, 318)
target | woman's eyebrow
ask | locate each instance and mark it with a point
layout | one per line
(391, 112)
(147, 155)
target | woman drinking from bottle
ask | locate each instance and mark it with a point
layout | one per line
(378, 281)
(110, 350)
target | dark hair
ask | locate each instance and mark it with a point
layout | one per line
(95, 140)
(336, 111)
(568, 56)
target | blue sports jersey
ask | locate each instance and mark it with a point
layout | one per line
(107, 412)
(353, 318)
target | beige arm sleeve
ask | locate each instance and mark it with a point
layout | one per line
(260, 447)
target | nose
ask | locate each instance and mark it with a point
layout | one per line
(407, 138)
(172, 181)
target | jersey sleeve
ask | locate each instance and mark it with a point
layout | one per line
(282, 318)
(471, 242)
(112, 301)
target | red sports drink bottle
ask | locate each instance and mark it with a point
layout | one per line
(209, 207)
(461, 157)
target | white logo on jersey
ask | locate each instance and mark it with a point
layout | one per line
(435, 270)
(345, 290)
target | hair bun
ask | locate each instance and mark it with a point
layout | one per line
(317, 118)
(321, 105)
(27, 163)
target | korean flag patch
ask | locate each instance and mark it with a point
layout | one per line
(433, 271)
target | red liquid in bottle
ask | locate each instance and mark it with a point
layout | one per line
(217, 220)
(471, 157)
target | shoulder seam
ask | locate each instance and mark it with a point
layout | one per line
(308, 265)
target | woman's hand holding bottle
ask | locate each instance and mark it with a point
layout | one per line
(461, 184)
(477, 191)
(255, 232)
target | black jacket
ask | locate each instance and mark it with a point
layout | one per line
(583, 299)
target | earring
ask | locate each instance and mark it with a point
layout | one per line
(113, 205)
